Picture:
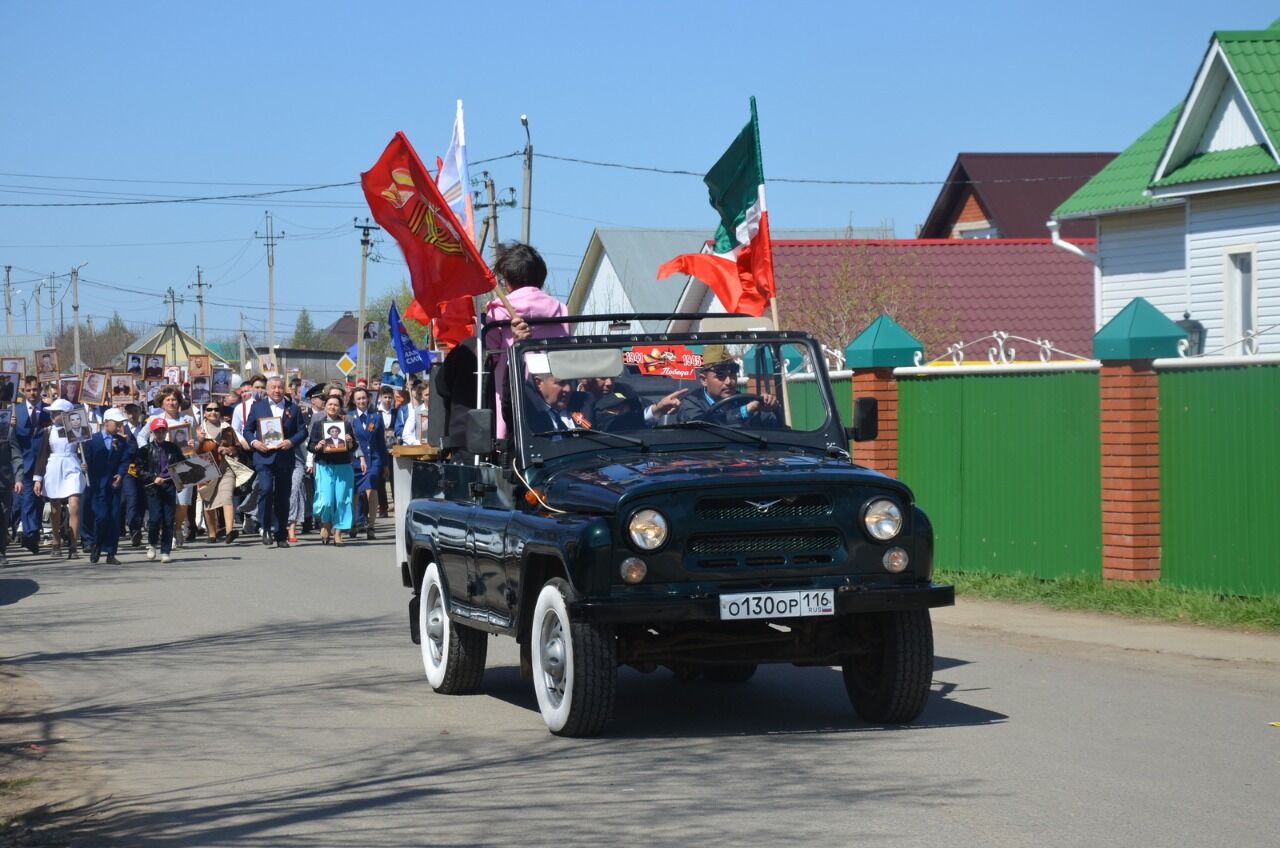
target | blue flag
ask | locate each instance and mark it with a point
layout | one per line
(411, 359)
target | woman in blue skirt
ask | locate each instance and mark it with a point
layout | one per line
(333, 445)
(366, 426)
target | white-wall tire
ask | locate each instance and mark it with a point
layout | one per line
(575, 667)
(452, 656)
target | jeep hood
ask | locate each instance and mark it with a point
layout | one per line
(596, 483)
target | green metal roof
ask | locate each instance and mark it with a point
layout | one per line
(1254, 59)
(1221, 165)
(1139, 331)
(883, 344)
(1123, 182)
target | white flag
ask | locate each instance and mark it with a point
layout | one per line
(454, 180)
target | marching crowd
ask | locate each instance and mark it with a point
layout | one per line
(263, 461)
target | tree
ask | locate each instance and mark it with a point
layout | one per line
(376, 310)
(99, 346)
(835, 300)
(307, 337)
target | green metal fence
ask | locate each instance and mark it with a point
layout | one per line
(1006, 466)
(1219, 479)
(807, 409)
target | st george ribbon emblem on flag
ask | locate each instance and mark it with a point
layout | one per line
(424, 220)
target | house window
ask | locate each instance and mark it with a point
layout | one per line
(1241, 317)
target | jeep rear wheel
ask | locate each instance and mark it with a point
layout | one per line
(452, 655)
(890, 683)
(575, 666)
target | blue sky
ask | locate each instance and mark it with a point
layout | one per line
(275, 94)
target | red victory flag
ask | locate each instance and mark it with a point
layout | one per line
(443, 263)
(738, 266)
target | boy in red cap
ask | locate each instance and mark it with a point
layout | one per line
(155, 463)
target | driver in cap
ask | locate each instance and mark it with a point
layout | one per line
(714, 400)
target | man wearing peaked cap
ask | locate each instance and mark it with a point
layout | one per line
(718, 378)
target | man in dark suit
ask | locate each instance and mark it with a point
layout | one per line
(718, 376)
(10, 470)
(29, 421)
(552, 404)
(107, 455)
(274, 463)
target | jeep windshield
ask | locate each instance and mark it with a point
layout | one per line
(748, 390)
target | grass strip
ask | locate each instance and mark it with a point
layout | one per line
(1134, 599)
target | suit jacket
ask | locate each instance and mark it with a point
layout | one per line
(291, 423)
(26, 430)
(538, 416)
(370, 436)
(103, 462)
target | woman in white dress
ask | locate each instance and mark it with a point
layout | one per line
(59, 476)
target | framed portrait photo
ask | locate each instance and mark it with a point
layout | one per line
(180, 435)
(335, 435)
(9, 382)
(10, 364)
(267, 362)
(69, 389)
(93, 387)
(221, 381)
(133, 364)
(172, 375)
(270, 431)
(77, 426)
(200, 392)
(121, 387)
(151, 389)
(154, 368)
(47, 365)
(198, 365)
(195, 470)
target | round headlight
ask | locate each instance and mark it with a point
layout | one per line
(647, 529)
(883, 519)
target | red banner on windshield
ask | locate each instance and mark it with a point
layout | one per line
(674, 361)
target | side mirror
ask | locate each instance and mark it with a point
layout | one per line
(866, 420)
(480, 431)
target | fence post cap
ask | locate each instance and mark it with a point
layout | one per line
(1139, 331)
(883, 344)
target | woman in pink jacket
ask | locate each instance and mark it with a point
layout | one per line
(523, 271)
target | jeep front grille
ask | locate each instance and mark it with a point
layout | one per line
(794, 506)
(765, 543)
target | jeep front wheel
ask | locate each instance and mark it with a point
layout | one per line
(889, 684)
(452, 655)
(575, 666)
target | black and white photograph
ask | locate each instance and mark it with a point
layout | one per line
(267, 362)
(121, 386)
(180, 435)
(69, 389)
(78, 426)
(9, 382)
(93, 387)
(155, 366)
(335, 435)
(133, 364)
(270, 431)
(16, 364)
(200, 390)
(152, 388)
(221, 381)
(47, 365)
(195, 470)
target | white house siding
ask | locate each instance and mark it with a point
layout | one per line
(605, 295)
(1144, 255)
(1231, 220)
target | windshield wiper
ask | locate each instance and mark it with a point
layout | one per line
(699, 424)
(585, 432)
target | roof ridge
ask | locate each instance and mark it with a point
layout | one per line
(938, 242)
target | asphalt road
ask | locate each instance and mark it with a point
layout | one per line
(250, 697)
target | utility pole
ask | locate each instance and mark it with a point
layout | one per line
(489, 226)
(528, 179)
(270, 238)
(52, 290)
(241, 340)
(200, 287)
(172, 298)
(361, 347)
(8, 302)
(75, 312)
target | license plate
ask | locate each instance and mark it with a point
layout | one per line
(777, 604)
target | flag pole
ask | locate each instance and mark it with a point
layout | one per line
(782, 365)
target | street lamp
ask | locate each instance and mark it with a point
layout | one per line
(1195, 334)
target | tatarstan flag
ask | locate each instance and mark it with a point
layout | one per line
(739, 266)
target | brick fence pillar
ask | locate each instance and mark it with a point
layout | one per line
(1129, 403)
(880, 453)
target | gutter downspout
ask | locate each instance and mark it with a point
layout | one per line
(1093, 259)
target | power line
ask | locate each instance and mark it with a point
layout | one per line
(154, 201)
